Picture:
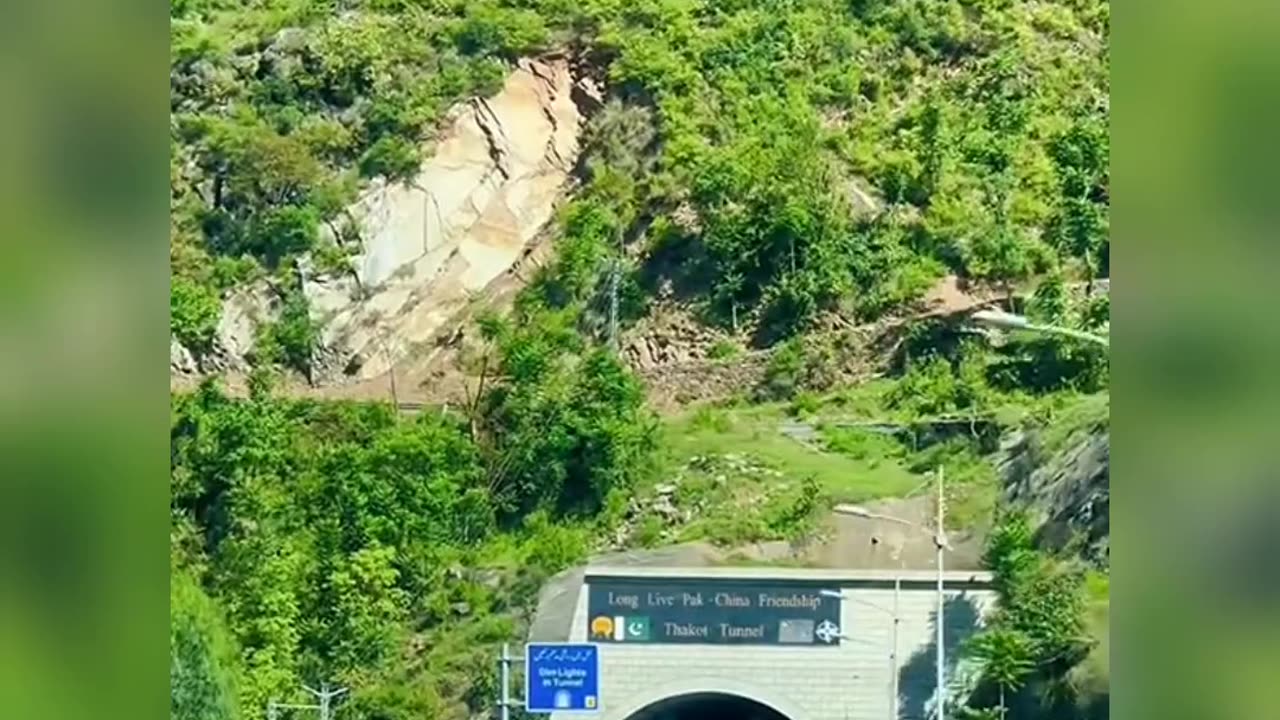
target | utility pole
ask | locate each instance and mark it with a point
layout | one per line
(504, 692)
(940, 540)
(324, 695)
(504, 704)
(391, 373)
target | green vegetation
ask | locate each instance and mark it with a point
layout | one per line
(754, 432)
(724, 350)
(983, 126)
(202, 656)
(331, 541)
(1038, 634)
(289, 339)
(281, 109)
(336, 535)
(880, 439)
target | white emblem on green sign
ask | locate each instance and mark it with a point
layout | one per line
(631, 628)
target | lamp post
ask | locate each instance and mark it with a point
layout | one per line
(940, 543)
(1009, 321)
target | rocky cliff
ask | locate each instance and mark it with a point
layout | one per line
(1066, 489)
(427, 246)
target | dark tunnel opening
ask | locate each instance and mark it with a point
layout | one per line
(708, 706)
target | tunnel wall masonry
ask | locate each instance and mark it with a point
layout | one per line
(845, 682)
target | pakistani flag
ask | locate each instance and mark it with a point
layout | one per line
(630, 628)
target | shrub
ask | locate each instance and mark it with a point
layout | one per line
(291, 339)
(933, 386)
(391, 157)
(805, 403)
(782, 376)
(793, 517)
(203, 656)
(649, 532)
(284, 231)
(193, 314)
(491, 29)
(724, 350)
(707, 417)
(331, 259)
(1048, 364)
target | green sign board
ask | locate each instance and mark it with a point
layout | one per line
(732, 612)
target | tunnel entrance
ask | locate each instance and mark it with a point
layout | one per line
(707, 706)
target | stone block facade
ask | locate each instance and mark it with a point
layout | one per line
(848, 681)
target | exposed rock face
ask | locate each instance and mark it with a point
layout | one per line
(180, 359)
(1068, 494)
(490, 186)
(243, 311)
(477, 205)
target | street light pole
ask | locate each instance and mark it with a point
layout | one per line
(1009, 321)
(893, 677)
(504, 702)
(940, 542)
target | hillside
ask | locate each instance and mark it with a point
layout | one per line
(645, 273)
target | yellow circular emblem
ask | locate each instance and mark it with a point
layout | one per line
(602, 626)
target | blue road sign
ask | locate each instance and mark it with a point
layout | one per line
(561, 677)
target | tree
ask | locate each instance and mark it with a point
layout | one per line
(935, 147)
(508, 32)
(365, 608)
(193, 314)
(292, 337)
(1080, 227)
(344, 537)
(1036, 635)
(391, 157)
(1049, 303)
(1007, 659)
(567, 427)
(1001, 255)
(280, 232)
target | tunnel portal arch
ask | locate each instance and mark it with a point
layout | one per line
(888, 616)
(667, 700)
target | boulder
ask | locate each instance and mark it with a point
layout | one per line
(180, 359)
(243, 311)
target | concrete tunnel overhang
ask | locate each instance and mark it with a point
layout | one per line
(707, 688)
(701, 672)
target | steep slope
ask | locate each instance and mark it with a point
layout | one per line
(488, 189)
(807, 178)
(429, 244)
(1061, 475)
